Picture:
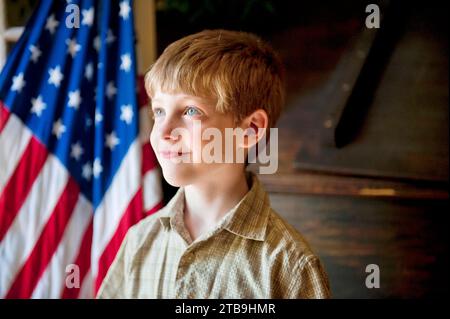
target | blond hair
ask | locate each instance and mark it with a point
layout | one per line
(236, 70)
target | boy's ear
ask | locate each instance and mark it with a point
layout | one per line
(254, 126)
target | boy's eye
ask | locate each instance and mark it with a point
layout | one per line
(157, 112)
(192, 111)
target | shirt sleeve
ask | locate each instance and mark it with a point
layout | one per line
(114, 283)
(312, 281)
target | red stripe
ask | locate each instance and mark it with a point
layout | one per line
(4, 116)
(19, 185)
(132, 215)
(148, 158)
(143, 98)
(46, 245)
(83, 261)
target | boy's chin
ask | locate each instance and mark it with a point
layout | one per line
(177, 177)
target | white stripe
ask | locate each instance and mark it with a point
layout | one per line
(23, 233)
(107, 216)
(53, 280)
(13, 140)
(152, 188)
(87, 287)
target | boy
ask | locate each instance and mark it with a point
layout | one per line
(218, 236)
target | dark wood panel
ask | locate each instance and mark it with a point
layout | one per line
(321, 184)
(401, 123)
(406, 239)
(396, 214)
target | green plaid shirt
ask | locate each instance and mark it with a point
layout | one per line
(251, 253)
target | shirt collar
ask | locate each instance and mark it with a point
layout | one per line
(247, 219)
(173, 208)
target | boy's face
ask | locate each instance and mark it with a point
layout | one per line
(174, 116)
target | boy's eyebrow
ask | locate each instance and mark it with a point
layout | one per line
(196, 99)
(185, 97)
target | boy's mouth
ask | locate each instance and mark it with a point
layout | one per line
(171, 154)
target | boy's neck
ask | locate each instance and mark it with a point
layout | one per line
(207, 202)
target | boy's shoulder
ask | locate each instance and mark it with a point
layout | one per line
(283, 235)
(295, 259)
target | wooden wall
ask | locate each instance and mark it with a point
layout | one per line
(380, 197)
(407, 239)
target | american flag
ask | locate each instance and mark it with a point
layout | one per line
(76, 167)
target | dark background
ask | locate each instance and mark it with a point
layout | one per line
(363, 167)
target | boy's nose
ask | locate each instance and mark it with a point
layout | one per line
(167, 131)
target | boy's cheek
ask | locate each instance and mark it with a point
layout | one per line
(153, 140)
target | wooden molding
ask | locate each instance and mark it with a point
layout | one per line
(145, 24)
